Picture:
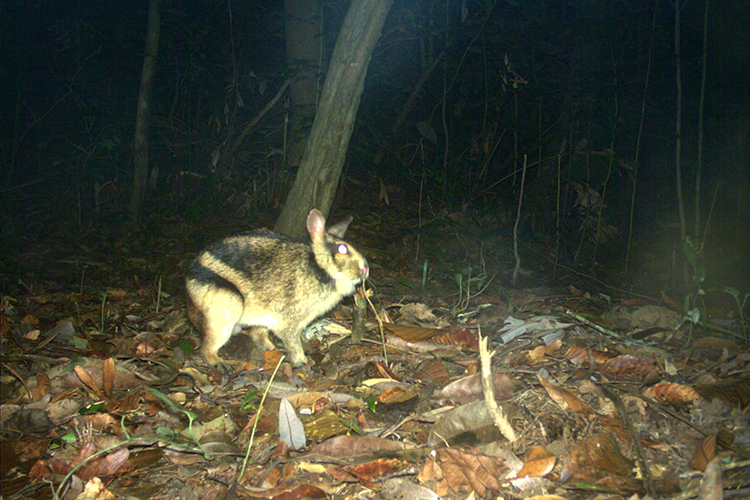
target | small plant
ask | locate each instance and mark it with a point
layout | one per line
(479, 283)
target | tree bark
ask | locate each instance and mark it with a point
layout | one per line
(678, 121)
(320, 169)
(143, 114)
(305, 59)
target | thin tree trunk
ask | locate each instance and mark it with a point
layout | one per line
(701, 107)
(320, 169)
(637, 157)
(304, 57)
(678, 121)
(140, 146)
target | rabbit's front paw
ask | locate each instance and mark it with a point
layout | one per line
(294, 350)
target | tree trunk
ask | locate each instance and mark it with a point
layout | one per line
(320, 169)
(304, 57)
(678, 121)
(140, 146)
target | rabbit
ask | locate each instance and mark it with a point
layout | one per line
(270, 281)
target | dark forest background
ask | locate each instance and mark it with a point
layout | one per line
(585, 91)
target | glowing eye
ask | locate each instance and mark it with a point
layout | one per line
(342, 249)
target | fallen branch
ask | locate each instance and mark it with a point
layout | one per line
(488, 384)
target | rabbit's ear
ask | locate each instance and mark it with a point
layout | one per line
(316, 224)
(339, 228)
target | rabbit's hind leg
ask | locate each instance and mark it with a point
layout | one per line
(221, 310)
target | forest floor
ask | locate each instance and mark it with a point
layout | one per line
(599, 392)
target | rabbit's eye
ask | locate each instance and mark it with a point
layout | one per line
(343, 249)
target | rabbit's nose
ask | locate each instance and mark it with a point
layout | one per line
(364, 271)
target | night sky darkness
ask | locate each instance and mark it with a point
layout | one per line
(70, 77)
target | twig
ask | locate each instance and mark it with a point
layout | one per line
(255, 423)
(252, 123)
(488, 384)
(380, 325)
(593, 325)
(517, 269)
(634, 437)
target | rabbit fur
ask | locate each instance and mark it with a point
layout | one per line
(270, 281)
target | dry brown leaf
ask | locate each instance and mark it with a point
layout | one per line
(339, 474)
(624, 485)
(714, 343)
(705, 452)
(104, 422)
(112, 464)
(93, 371)
(42, 468)
(733, 391)
(669, 392)
(396, 395)
(413, 333)
(594, 458)
(614, 425)
(564, 398)
(45, 298)
(468, 389)
(579, 355)
(271, 359)
(145, 348)
(4, 325)
(30, 320)
(439, 350)
(462, 471)
(378, 368)
(95, 490)
(434, 372)
(538, 463)
(42, 386)
(146, 458)
(116, 293)
(129, 402)
(309, 402)
(631, 367)
(671, 303)
(300, 492)
(32, 334)
(576, 292)
(543, 352)
(348, 446)
(108, 376)
(376, 469)
(463, 337)
(86, 379)
(24, 451)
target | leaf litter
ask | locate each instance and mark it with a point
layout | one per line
(104, 396)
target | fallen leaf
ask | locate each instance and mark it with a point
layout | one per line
(349, 446)
(402, 489)
(565, 399)
(538, 463)
(397, 395)
(95, 490)
(669, 392)
(705, 452)
(376, 469)
(594, 458)
(469, 389)
(412, 333)
(462, 471)
(544, 352)
(291, 430)
(632, 368)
